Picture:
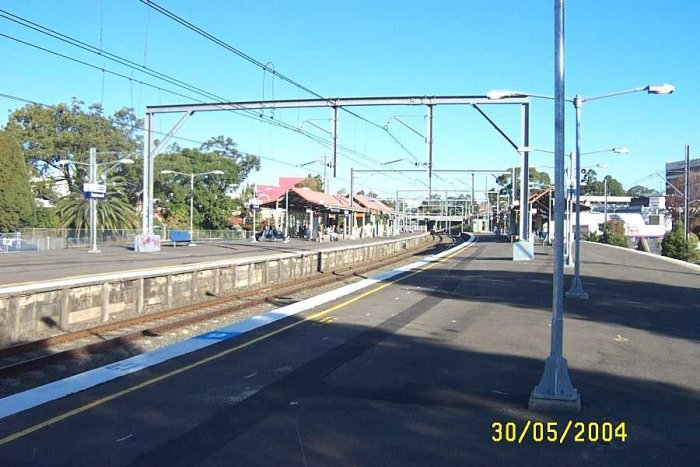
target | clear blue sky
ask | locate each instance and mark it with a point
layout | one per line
(374, 48)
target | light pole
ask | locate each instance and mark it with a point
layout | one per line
(93, 181)
(555, 389)
(576, 290)
(605, 191)
(192, 175)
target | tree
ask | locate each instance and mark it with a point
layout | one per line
(613, 233)
(311, 182)
(674, 245)
(50, 134)
(212, 205)
(342, 192)
(536, 178)
(113, 212)
(372, 194)
(597, 188)
(16, 200)
(639, 190)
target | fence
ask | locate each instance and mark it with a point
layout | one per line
(41, 239)
(33, 239)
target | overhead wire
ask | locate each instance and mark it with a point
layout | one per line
(164, 11)
(154, 73)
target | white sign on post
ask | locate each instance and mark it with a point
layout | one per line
(254, 204)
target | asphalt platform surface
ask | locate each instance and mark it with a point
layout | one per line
(412, 372)
(33, 266)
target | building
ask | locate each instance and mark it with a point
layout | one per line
(675, 190)
(308, 211)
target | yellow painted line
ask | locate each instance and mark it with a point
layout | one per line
(312, 317)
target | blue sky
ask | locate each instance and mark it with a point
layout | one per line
(369, 48)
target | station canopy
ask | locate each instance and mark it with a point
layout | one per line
(305, 198)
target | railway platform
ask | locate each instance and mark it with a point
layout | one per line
(417, 366)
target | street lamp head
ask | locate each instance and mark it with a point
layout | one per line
(126, 160)
(660, 88)
(217, 172)
(166, 172)
(603, 165)
(621, 150)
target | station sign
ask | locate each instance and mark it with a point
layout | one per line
(254, 204)
(94, 190)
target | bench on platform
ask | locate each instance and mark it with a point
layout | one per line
(180, 236)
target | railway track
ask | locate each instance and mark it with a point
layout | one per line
(20, 359)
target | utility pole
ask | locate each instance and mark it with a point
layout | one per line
(93, 203)
(686, 204)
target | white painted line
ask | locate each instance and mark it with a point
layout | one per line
(31, 398)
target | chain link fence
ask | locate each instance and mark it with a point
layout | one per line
(39, 239)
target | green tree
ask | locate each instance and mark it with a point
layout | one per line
(113, 212)
(45, 218)
(213, 207)
(639, 190)
(312, 182)
(613, 233)
(593, 186)
(50, 134)
(16, 199)
(505, 182)
(674, 245)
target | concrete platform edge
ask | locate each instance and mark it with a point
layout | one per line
(31, 398)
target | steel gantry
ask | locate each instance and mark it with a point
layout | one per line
(150, 152)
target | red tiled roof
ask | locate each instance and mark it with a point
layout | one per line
(323, 199)
(372, 203)
(267, 193)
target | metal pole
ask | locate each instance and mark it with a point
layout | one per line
(472, 200)
(555, 390)
(397, 221)
(569, 209)
(325, 174)
(549, 216)
(146, 226)
(686, 203)
(334, 128)
(286, 216)
(93, 203)
(576, 290)
(525, 176)
(429, 148)
(253, 239)
(191, 207)
(605, 187)
(352, 186)
(488, 204)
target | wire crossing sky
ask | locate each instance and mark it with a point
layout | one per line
(133, 53)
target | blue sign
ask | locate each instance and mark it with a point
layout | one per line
(219, 335)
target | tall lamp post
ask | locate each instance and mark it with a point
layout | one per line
(93, 181)
(576, 290)
(192, 176)
(555, 388)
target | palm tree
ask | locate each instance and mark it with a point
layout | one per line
(113, 212)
